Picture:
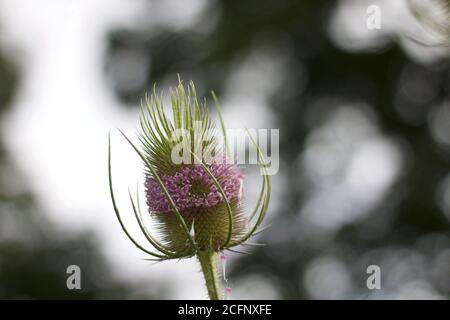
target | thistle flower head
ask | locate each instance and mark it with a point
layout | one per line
(193, 190)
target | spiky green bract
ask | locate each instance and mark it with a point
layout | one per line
(203, 214)
(191, 124)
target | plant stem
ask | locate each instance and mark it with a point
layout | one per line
(208, 262)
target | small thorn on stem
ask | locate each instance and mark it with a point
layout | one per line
(227, 292)
(223, 259)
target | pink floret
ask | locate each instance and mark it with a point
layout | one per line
(179, 187)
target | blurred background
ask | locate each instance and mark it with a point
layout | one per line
(364, 119)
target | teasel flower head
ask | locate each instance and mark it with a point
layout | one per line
(434, 16)
(193, 189)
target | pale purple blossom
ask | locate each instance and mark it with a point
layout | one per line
(192, 187)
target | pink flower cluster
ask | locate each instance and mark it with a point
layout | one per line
(180, 188)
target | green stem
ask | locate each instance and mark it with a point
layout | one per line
(208, 262)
